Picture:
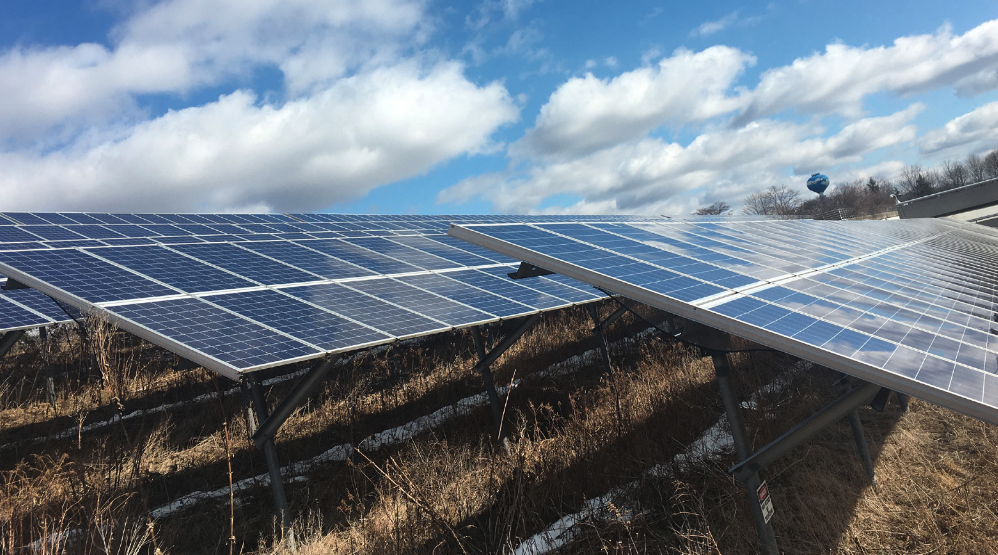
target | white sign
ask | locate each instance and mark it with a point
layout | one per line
(765, 501)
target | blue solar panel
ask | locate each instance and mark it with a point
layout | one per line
(307, 259)
(247, 264)
(516, 291)
(95, 231)
(455, 255)
(301, 320)
(466, 294)
(545, 285)
(418, 258)
(13, 234)
(13, 316)
(53, 232)
(378, 314)
(84, 276)
(138, 257)
(422, 302)
(234, 341)
(172, 268)
(39, 302)
(377, 263)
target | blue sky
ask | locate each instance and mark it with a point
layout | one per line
(495, 106)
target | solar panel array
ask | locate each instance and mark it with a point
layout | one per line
(907, 304)
(243, 292)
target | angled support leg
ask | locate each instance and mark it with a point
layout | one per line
(751, 481)
(486, 359)
(8, 340)
(862, 447)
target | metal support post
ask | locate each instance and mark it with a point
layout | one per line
(804, 431)
(49, 373)
(8, 340)
(490, 386)
(273, 465)
(485, 360)
(600, 338)
(902, 401)
(767, 538)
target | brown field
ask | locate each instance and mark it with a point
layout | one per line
(574, 434)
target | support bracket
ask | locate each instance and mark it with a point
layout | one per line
(837, 410)
(302, 389)
(486, 359)
(527, 270)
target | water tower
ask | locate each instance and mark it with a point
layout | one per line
(818, 183)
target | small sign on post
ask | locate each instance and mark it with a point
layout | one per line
(765, 501)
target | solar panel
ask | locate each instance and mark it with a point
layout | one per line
(904, 304)
(317, 326)
(212, 336)
(218, 288)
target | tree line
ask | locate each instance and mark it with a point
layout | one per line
(865, 197)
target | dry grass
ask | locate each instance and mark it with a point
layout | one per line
(573, 436)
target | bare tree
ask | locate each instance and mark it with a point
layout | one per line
(975, 168)
(991, 165)
(775, 201)
(716, 209)
(954, 175)
(907, 180)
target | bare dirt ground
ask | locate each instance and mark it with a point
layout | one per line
(129, 437)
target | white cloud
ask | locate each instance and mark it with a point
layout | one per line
(652, 176)
(837, 80)
(975, 131)
(587, 113)
(178, 45)
(710, 27)
(367, 130)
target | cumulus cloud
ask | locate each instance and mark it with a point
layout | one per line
(366, 130)
(176, 46)
(651, 175)
(975, 131)
(587, 113)
(837, 80)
